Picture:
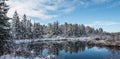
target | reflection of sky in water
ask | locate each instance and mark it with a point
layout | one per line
(70, 50)
(97, 49)
(93, 53)
(45, 52)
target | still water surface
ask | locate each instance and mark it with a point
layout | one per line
(77, 50)
(64, 50)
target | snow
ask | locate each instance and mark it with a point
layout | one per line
(20, 57)
(22, 41)
(25, 40)
(56, 39)
(11, 57)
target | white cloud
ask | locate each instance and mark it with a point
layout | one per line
(100, 1)
(29, 8)
(109, 26)
(48, 9)
(103, 23)
(67, 10)
(39, 8)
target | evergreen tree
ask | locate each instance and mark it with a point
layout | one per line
(29, 29)
(50, 29)
(37, 30)
(4, 25)
(100, 30)
(15, 26)
(66, 28)
(76, 30)
(24, 26)
(56, 28)
(89, 30)
(70, 30)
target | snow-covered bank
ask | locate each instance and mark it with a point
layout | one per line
(59, 39)
(101, 42)
(56, 39)
(10, 57)
(94, 40)
(20, 57)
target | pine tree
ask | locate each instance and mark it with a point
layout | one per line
(56, 28)
(100, 30)
(70, 30)
(15, 25)
(89, 30)
(4, 25)
(29, 29)
(82, 30)
(24, 27)
(50, 29)
(66, 28)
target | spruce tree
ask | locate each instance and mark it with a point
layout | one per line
(4, 25)
(15, 25)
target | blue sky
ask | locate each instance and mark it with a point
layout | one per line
(94, 13)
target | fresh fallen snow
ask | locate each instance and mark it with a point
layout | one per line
(20, 57)
(45, 39)
(55, 39)
(10, 57)
(16, 57)
(22, 41)
(25, 40)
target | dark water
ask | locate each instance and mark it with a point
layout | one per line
(68, 50)
(74, 50)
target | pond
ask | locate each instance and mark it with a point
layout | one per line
(65, 50)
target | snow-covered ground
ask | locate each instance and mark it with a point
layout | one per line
(20, 57)
(10, 57)
(59, 39)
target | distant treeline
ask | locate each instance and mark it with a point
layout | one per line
(25, 29)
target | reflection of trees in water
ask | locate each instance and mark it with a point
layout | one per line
(55, 48)
(74, 47)
(90, 46)
(36, 48)
(115, 54)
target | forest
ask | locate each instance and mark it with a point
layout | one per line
(25, 29)
(23, 38)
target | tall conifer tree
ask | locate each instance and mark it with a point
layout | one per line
(4, 25)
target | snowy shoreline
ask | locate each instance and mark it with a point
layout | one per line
(20, 57)
(96, 40)
(59, 39)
